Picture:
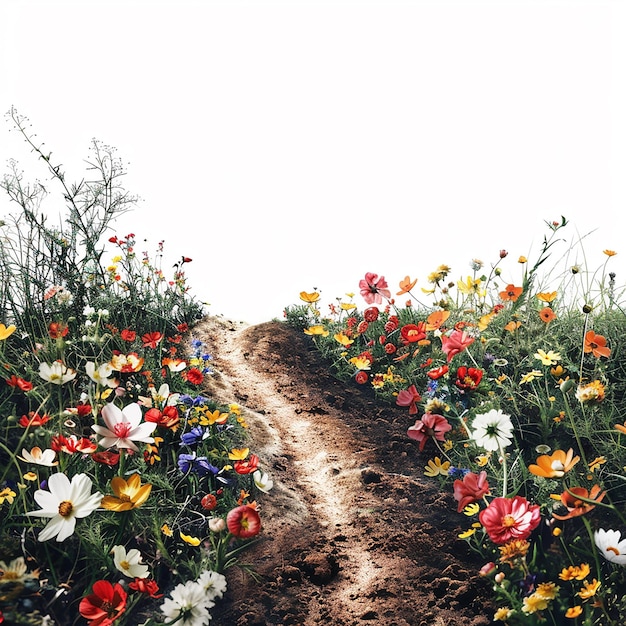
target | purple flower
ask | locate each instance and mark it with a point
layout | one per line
(197, 464)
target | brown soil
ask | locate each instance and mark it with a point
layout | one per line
(353, 533)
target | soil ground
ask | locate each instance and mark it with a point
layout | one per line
(353, 532)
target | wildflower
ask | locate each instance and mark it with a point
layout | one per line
(592, 393)
(7, 494)
(262, 481)
(213, 417)
(152, 340)
(596, 344)
(104, 604)
(309, 298)
(409, 397)
(39, 456)
(147, 586)
(547, 315)
(472, 488)
(621, 428)
(196, 464)
(412, 333)
(217, 525)
(106, 457)
(468, 378)
(213, 583)
(188, 605)
(167, 418)
(57, 330)
(575, 572)
(248, 466)
(467, 533)
(437, 372)
(371, 314)
(510, 518)
(374, 289)
(238, 454)
(15, 571)
(513, 550)
(599, 460)
(470, 286)
(512, 326)
(471, 509)
(167, 531)
(611, 545)
(123, 427)
(19, 383)
(436, 319)
(128, 335)
(192, 541)
(430, 425)
(547, 296)
(360, 362)
(406, 284)
(127, 363)
(573, 501)
(6, 331)
(530, 376)
(208, 502)
(63, 503)
(455, 343)
(129, 494)
(436, 468)
(101, 374)
(502, 614)
(243, 522)
(56, 373)
(511, 293)
(589, 589)
(174, 365)
(492, 430)
(609, 253)
(574, 611)
(33, 419)
(554, 465)
(547, 358)
(129, 563)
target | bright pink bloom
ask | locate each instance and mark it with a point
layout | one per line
(506, 519)
(243, 521)
(472, 488)
(409, 397)
(430, 425)
(455, 342)
(373, 289)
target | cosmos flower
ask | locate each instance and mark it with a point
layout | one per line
(611, 545)
(492, 430)
(129, 563)
(554, 465)
(506, 519)
(56, 373)
(124, 427)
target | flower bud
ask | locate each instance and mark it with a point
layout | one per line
(217, 525)
(503, 254)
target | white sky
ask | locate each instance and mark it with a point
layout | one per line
(292, 145)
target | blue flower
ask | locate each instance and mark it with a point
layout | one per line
(194, 436)
(197, 464)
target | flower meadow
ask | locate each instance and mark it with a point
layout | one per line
(126, 491)
(512, 379)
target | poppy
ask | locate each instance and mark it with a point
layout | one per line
(33, 419)
(128, 335)
(596, 344)
(194, 376)
(409, 397)
(547, 314)
(511, 293)
(406, 284)
(430, 425)
(104, 605)
(374, 289)
(437, 372)
(243, 521)
(468, 378)
(455, 342)
(577, 501)
(309, 298)
(436, 319)
(20, 383)
(57, 330)
(152, 340)
(412, 333)
(471, 489)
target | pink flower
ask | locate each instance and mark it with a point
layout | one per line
(506, 519)
(455, 342)
(373, 288)
(409, 397)
(472, 488)
(429, 425)
(123, 427)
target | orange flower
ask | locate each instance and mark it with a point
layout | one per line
(621, 428)
(547, 296)
(436, 319)
(596, 344)
(406, 284)
(309, 298)
(547, 315)
(512, 326)
(511, 293)
(577, 501)
(609, 252)
(554, 465)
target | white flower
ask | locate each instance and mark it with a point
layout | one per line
(262, 481)
(39, 456)
(130, 563)
(64, 503)
(101, 375)
(611, 545)
(88, 311)
(15, 571)
(162, 397)
(123, 427)
(217, 525)
(492, 430)
(188, 605)
(213, 583)
(57, 373)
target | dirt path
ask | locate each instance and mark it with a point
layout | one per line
(347, 538)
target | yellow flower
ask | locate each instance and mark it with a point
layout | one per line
(482, 460)
(448, 445)
(6, 331)
(512, 326)
(31, 476)
(309, 298)
(238, 454)
(347, 306)
(574, 611)
(435, 467)
(468, 533)
(192, 541)
(7, 494)
(485, 320)
(547, 358)
(502, 614)
(534, 603)
(530, 376)
(167, 531)
(317, 329)
(549, 591)
(344, 340)
(213, 417)
(470, 285)
(522, 259)
(593, 466)
(575, 572)
(609, 252)
(361, 363)
(589, 589)
(547, 296)
(471, 509)
(129, 494)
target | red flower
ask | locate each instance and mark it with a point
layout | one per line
(147, 586)
(390, 348)
(575, 505)
(104, 605)
(72, 444)
(409, 397)
(411, 333)
(437, 372)
(472, 488)
(455, 343)
(468, 378)
(20, 383)
(182, 328)
(247, 466)
(128, 335)
(596, 344)
(33, 419)
(56, 330)
(506, 519)
(511, 293)
(429, 425)
(392, 323)
(371, 314)
(209, 502)
(194, 376)
(168, 418)
(361, 377)
(243, 521)
(373, 289)
(152, 340)
(106, 457)
(362, 327)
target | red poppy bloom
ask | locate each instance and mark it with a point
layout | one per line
(511, 293)
(506, 519)
(390, 348)
(168, 418)
(243, 521)
(56, 330)
(20, 383)
(209, 502)
(437, 372)
(33, 419)
(409, 397)
(430, 425)
(468, 378)
(596, 344)
(455, 343)
(472, 488)
(361, 377)
(194, 376)
(147, 586)
(152, 340)
(106, 457)
(412, 333)
(104, 605)
(247, 466)
(72, 444)
(575, 505)
(175, 339)
(371, 314)
(182, 328)
(128, 335)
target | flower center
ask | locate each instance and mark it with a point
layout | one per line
(508, 521)
(65, 508)
(614, 550)
(10, 576)
(125, 565)
(122, 429)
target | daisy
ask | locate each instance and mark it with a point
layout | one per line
(492, 430)
(188, 605)
(213, 584)
(611, 545)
